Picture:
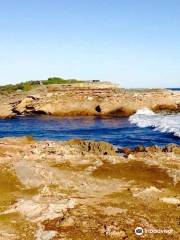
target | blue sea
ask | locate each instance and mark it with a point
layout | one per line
(174, 89)
(143, 128)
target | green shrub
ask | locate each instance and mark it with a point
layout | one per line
(28, 85)
(57, 80)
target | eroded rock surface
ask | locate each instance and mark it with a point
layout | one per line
(87, 99)
(87, 190)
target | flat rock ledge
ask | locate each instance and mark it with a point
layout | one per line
(87, 190)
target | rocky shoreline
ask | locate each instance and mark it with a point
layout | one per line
(86, 99)
(87, 190)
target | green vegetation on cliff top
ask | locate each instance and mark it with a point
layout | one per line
(26, 86)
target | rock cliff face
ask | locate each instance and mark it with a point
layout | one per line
(87, 190)
(94, 100)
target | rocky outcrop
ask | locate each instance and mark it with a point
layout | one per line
(156, 149)
(6, 111)
(167, 108)
(89, 100)
(87, 190)
(98, 148)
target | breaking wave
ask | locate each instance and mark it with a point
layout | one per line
(163, 123)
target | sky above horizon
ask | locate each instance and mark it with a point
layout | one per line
(135, 43)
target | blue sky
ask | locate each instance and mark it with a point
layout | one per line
(135, 43)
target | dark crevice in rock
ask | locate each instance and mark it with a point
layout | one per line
(39, 112)
(33, 97)
(14, 110)
(29, 111)
(98, 108)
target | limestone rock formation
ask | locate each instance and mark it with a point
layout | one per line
(87, 99)
(6, 111)
(87, 190)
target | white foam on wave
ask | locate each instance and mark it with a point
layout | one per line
(163, 123)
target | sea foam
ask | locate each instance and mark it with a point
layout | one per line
(163, 123)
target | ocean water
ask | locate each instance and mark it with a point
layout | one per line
(174, 89)
(133, 131)
(169, 123)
